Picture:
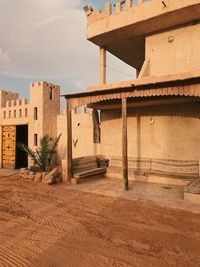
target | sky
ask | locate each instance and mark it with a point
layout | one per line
(46, 40)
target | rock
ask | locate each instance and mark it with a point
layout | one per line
(38, 177)
(21, 175)
(75, 181)
(34, 168)
(48, 179)
(61, 177)
(55, 172)
(58, 180)
(31, 173)
(30, 177)
(24, 172)
(23, 169)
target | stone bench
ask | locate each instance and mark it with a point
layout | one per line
(85, 167)
(192, 191)
(175, 168)
(184, 169)
(135, 166)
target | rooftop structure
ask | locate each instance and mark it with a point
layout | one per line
(145, 121)
(151, 36)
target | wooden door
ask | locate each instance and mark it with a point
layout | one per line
(9, 146)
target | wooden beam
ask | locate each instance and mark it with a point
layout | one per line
(69, 144)
(145, 103)
(124, 144)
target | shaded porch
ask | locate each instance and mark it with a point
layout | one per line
(138, 96)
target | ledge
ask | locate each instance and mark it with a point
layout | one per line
(145, 81)
(101, 22)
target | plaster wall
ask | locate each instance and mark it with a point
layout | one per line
(13, 111)
(51, 108)
(173, 52)
(82, 135)
(46, 98)
(170, 132)
(48, 107)
(36, 125)
(62, 129)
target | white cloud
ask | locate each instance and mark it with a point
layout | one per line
(46, 39)
(4, 60)
(47, 21)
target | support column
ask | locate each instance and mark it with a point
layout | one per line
(1, 146)
(124, 144)
(69, 144)
(137, 73)
(102, 65)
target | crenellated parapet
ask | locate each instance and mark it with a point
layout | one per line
(16, 103)
(149, 13)
(143, 33)
(43, 84)
(15, 108)
(109, 9)
(7, 96)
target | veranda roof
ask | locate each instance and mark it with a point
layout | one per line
(188, 87)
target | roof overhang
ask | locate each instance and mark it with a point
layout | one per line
(188, 88)
(124, 32)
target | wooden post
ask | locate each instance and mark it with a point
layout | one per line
(69, 143)
(102, 65)
(124, 144)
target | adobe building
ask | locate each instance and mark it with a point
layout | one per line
(26, 122)
(150, 125)
(23, 122)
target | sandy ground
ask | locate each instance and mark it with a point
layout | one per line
(50, 226)
(171, 196)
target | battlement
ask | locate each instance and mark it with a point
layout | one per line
(109, 9)
(136, 6)
(7, 96)
(16, 103)
(131, 18)
(122, 29)
(15, 109)
(43, 84)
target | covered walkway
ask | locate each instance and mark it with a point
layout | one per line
(180, 91)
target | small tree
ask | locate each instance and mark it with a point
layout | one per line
(43, 155)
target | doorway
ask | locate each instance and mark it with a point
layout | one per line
(21, 158)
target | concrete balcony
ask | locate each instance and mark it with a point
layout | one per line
(122, 31)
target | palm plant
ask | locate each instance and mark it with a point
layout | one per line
(43, 155)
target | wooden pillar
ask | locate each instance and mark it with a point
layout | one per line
(1, 146)
(102, 65)
(69, 143)
(124, 144)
